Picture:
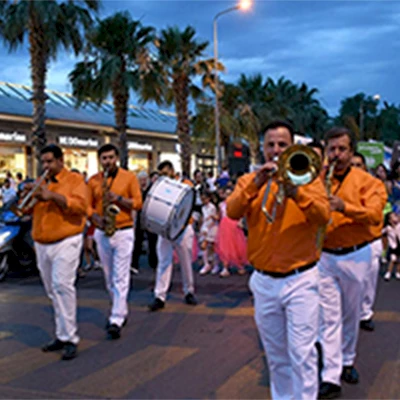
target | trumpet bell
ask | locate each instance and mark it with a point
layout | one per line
(299, 165)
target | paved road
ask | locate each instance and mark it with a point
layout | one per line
(210, 351)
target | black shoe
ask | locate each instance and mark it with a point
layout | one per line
(108, 323)
(367, 325)
(329, 390)
(190, 299)
(55, 345)
(156, 305)
(350, 375)
(114, 332)
(70, 351)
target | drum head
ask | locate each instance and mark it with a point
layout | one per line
(183, 211)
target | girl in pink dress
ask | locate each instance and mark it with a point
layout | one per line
(231, 243)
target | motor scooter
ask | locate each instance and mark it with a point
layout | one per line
(16, 245)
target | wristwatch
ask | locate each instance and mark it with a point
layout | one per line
(119, 198)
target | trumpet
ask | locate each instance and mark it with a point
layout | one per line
(28, 200)
(298, 165)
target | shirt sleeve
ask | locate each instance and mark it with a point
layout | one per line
(77, 200)
(90, 195)
(136, 194)
(312, 199)
(240, 200)
(370, 212)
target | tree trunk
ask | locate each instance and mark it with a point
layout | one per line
(121, 99)
(39, 58)
(254, 146)
(181, 95)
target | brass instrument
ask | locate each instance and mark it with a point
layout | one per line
(110, 211)
(298, 165)
(328, 186)
(28, 201)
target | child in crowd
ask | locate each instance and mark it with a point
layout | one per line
(231, 243)
(392, 230)
(208, 233)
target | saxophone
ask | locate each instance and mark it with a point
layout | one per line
(110, 211)
(328, 186)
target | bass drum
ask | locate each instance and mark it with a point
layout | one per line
(167, 208)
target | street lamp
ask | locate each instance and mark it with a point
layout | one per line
(376, 97)
(243, 5)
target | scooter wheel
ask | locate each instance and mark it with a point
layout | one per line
(3, 266)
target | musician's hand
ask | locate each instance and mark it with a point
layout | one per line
(264, 173)
(336, 203)
(97, 220)
(112, 197)
(43, 194)
(290, 190)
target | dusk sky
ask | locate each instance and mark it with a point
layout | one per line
(339, 47)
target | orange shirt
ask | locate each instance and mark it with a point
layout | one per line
(124, 184)
(376, 230)
(50, 223)
(363, 208)
(291, 240)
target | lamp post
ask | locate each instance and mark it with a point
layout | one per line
(243, 5)
(376, 97)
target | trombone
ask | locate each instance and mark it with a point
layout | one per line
(298, 165)
(28, 201)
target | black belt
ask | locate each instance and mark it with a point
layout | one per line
(285, 274)
(345, 250)
(118, 229)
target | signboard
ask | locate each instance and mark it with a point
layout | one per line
(139, 146)
(373, 153)
(12, 137)
(73, 141)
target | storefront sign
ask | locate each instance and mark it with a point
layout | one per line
(73, 141)
(12, 137)
(373, 153)
(139, 146)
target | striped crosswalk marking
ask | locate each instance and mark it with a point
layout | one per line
(121, 377)
(5, 334)
(26, 361)
(242, 385)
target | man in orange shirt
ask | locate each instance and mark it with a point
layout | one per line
(59, 218)
(346, 255)
(366, 322)
(183, 246)
(285, 281)
(115, 252)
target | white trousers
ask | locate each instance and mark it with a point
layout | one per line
(286, 315)
(183, 246)
(371, 280)
(341, 288)
(115, 255)
(58, 264)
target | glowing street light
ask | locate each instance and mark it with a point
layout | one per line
(243, 5)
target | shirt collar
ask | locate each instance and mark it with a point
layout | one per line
(60, 176)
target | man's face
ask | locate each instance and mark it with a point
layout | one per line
(276, 141)
(357, 162)
(154, 178)
(168, 172)
(198, 177)
(52, 164)
(108, 160)
(143, 182)
(339, 149)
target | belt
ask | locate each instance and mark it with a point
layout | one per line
(118, 229)
(295, 271)
(345, 250)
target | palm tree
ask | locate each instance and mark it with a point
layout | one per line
(49, 25)
(179, 60)
(117, 57)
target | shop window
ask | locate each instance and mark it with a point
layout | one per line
(138, 162)
(11, 159)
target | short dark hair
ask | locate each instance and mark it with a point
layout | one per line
(279, 124)
(153, 173)
(316, 144)
(339, 131)
(164, 164)
(19, 175)
(106, 148)
(54, 149)
(359, 155)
